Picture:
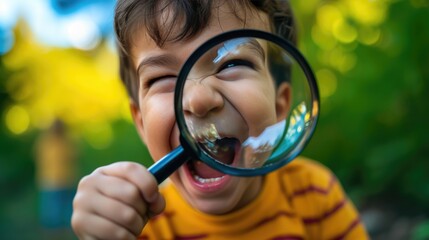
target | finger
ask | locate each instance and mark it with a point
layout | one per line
(136, 174)
(112, 209)
(157, 206)
(121, 214)
(90, 226)
(121, 190)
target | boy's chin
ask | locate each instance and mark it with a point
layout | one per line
(212, 206)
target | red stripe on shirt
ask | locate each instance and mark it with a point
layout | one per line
(326, 214)
(317, 189)
(287, 237)
(269, 219)
(347, 231)
(184, 237)
(190, 237)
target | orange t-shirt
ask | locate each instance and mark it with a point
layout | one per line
(302, 200)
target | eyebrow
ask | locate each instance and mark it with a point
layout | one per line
(250, 44)
(255, 45)
(157, 61)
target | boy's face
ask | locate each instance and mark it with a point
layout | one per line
(244, 106)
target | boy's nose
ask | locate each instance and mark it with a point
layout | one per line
(199, 98)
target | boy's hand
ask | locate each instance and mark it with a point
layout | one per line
(115, 202)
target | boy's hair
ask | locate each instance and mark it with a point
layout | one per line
(195, 15)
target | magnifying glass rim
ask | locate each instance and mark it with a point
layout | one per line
(187, 140)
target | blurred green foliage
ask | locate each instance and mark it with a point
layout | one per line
(373, 131)
(421, 232)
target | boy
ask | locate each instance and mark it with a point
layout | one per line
(300, 201)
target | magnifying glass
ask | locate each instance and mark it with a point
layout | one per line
(246, 103)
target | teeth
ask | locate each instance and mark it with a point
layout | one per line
(207, 180)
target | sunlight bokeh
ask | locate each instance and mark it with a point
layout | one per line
(61, 68)
(81, 88)
(339, 26)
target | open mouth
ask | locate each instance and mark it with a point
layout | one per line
(202, 173)
(223, 149)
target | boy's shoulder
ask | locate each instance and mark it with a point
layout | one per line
(305, 175)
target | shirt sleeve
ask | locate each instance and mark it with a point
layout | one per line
(326, 211)
(340, 219)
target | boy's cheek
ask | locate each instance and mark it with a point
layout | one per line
(160, 137)
(175, 137)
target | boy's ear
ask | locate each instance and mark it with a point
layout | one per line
(283, 100)
(137, 118)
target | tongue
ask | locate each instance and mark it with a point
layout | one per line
(204, 171)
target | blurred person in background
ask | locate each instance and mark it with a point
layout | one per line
(56, 176)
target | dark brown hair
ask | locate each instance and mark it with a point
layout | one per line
(131, 15)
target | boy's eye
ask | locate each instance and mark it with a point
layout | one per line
(161, 84)
(155, 80)
(236, 63)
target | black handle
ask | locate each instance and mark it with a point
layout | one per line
(168, 164)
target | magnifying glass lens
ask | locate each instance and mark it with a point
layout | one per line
(247, 103)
